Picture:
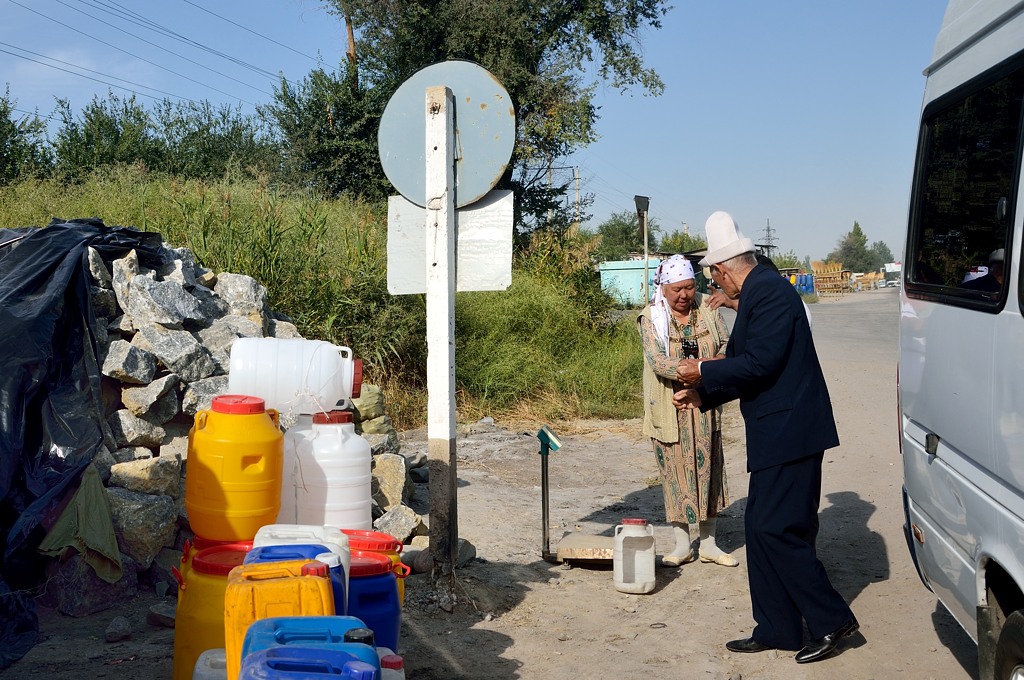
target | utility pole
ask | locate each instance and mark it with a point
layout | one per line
(769, 238)
(576, 213)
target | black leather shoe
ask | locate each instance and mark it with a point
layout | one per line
(826, 646)
(746, 646)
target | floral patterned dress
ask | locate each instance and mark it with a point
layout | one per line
(693, 469)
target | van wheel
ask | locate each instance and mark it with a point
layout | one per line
(1010, 648)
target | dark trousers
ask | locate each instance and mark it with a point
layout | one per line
(787, 580)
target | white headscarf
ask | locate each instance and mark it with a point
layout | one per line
(673, 270)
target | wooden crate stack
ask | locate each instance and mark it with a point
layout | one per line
(830, 278)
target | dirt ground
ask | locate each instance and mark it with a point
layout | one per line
(522, 617)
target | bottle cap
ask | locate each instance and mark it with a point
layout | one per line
(392, 661)
(635, 521)
(363, 635)
(315, 569)
(238, 404)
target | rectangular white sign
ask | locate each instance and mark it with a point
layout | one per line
(483, 248)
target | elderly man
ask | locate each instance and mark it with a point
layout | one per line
(772, 368)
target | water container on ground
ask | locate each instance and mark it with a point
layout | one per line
(299, 663)
(233, 485)
(327, 632)
(373, 595)
(298, 534)
(271, 589)
(319, 553)
(199, 622)
(294, 375)
(379, 542)
(334, 465)
(633, 558)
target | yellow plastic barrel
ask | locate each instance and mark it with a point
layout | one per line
(233, 479)
(263, 590)
(199, 621)
(385, 544)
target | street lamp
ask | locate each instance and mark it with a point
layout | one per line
(642, 203)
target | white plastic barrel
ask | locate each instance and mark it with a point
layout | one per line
(292, 483)
(294, 375)
(633, 559)
(211, 665)
(335, 464)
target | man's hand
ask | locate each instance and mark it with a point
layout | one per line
(720, 299)
(687, 373)
(686, 399)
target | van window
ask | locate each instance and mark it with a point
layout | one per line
(964, 192)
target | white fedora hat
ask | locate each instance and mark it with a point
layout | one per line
(724, 239)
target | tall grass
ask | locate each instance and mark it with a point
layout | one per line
(544, 349)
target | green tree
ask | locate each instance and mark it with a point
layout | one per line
(852, 251)
(328, 125)
(23, 149)
(787, 260)
(621, 235)
(882, 253)
(540, 50)
(681, 242)
(116, 130)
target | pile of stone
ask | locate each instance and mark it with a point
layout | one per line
(164, 339)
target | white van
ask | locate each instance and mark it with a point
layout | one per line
(961, 370)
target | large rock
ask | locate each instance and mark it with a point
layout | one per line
(199, 395)
(212, 305)
(144, 524)
(124, 270)
(402, 523)
(178, 350)
(222, 333)
(104, 302)
(130, 430)
(179, 271)
(76, 590)
(128, 363)
(98, 269)
(369, 404)
(160, 476)
(245, 296)
(160, 302)
(157, 402)
(393, 484)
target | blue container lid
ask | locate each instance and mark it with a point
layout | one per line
(304, 663)
(282, 553)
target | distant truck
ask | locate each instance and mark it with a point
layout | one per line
(960, 382)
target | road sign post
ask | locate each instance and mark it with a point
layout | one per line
(440, 266)
(465, 153)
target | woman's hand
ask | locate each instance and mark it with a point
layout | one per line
(686, 399)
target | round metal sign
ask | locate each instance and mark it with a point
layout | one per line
(485, 127)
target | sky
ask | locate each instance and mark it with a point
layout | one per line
(798, 114)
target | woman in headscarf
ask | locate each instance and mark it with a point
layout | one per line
(679, 324)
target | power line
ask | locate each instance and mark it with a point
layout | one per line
(122, 12)
(80, 75)
(160, 47)
(104, 42)
(83, 68)
(313, 59)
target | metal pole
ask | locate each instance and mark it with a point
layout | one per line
(647, 293)
(545, 538)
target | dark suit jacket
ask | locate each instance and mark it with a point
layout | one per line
(772, 368)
